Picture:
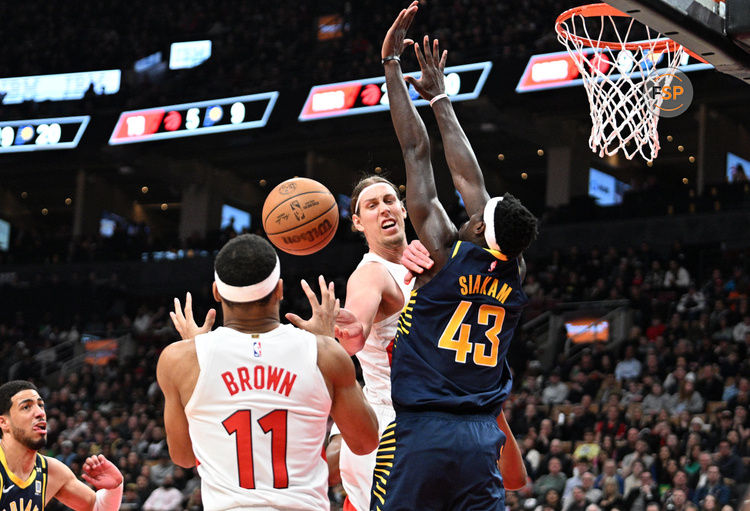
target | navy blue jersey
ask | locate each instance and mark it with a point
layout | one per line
(18, 495)
(454, 334)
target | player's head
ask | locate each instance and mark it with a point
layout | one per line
(378, 213)
(505, 225)
(22, 415)
(247, 272)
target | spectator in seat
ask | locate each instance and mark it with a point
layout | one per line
(641, 497)
(609, 471)
(611, 497)
(714, 487)
(164, 498)
(655, 401)
(553, 480)
(729, 463)
(676, 276)
(629, 367)
(691, 304)
(687, 398)
(578, 501)
(556, 391)
(612, 425)
(740, 330)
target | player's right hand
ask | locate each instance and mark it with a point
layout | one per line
(323, 313)
(185, 324)
(416, 259)
(348, 326)
(395, 42)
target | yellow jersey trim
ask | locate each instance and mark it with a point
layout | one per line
(13, 477)
(497, 254)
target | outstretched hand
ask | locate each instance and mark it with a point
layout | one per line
(184, 322)
(416, 258)
(395, 41)
(101, 473)
(432, 64)
(348, 327)
(323, 313)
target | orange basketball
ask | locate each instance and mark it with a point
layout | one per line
(300, 216)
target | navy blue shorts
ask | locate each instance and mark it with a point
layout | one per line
(435, 461)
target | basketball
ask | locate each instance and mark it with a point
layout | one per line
(300, 216)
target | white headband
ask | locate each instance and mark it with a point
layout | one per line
(359, 197)
(489, 223)
(252, 292)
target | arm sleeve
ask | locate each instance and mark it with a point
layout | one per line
(108, 500)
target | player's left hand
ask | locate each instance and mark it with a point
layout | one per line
(395, 42)
(416, 259)
(101, 473)
(185, 324)
(323, 314)
(432, 64)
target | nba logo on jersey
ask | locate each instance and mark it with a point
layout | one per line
(256, 349)
(492, 266)
(38, 487)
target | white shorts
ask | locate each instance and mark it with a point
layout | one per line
(356, 471)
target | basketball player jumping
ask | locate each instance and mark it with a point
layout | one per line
(375, 295)
(249, 402)
(29, 480)
(449, 374)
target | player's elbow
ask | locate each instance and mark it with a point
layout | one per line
(181, 458)
(417, 152)
(367, 438)
(515, 481)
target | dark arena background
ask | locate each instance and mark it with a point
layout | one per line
(137, 137)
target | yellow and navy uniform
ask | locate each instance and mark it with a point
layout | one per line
(449, 379)
(18, 495)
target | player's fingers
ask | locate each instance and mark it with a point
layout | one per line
(443, 60)
(210, 318)
(189, 306)
(408, 42)
(336, 307)
(435, 51)
(420, 58)
(295, 320)
(426, 48)
(309, 293)
(178, 309)
(324, 294)
(86, 478)
(408, 277)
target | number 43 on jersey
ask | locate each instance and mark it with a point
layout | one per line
(462, 346)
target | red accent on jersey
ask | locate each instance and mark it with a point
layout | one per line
(389, 350)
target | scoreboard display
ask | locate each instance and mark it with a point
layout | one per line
(191, 119)
(42, 134)
(370, 95)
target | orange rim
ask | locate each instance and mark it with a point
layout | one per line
(601, 10)
(596, 10)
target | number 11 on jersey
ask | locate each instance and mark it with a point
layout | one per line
(240, 424)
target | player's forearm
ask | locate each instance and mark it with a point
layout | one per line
(512, 467)
(465, 171)
(410, 130)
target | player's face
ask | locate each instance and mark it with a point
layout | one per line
(473, 230)
(381, 216)
(27, 420)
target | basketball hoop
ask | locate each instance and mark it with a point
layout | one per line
(619, 76)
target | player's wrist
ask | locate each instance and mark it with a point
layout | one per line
(390, 59)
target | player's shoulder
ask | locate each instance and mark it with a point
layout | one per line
(56, 468)
(176, 355)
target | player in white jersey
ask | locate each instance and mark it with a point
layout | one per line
(248, 403)
(375, 296)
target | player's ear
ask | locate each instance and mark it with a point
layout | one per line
(403, 209)
(479, 228)
(280, 289)
(215, 292)
(357, 223)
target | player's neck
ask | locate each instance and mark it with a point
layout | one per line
(19, 458)
(256, 325)
(389, 252)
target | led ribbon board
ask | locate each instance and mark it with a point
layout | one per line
(366, 96)
(191, 119)
(42, 134)
(60, 87)
(556, 70)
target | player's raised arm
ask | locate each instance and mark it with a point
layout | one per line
(430, 220)
(465, 171)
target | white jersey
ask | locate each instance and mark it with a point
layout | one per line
(356, 471)
(257, 420)
(373, 357)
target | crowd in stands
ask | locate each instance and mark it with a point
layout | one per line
(657, 422)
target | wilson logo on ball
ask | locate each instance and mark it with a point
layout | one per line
(311, 234)
(287, 188)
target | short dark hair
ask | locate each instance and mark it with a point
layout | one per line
(10, 389)
(245, 260)
(515, 226)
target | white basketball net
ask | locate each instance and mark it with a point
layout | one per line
(618, 79)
